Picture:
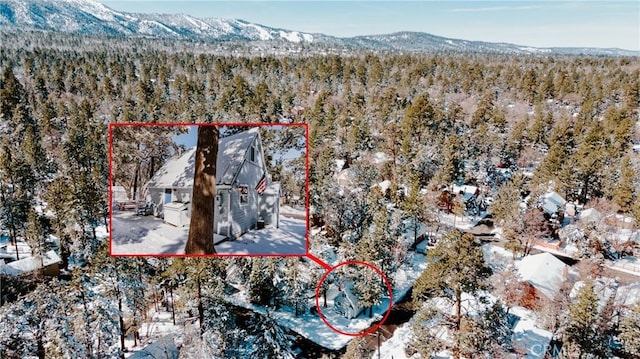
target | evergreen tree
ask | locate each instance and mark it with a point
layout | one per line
(456, 266)
(368, 289)
(414, 207)
(16, 193)
(295, 288)
(260, 287)
(12, 93)
(488, 333)
(36, 236)
(625, 189)
(452, 164)
(581, 323)
(267, 339)
(506, 213)
(630, 330)
(357, 349)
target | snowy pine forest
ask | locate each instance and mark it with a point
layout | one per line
(463, 177)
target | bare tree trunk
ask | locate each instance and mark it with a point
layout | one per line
(458, 320)
(123, 329)
(200, 309)
(135, 182)
(173, 308)
(204, 193)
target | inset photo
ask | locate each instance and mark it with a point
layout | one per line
(208, 189)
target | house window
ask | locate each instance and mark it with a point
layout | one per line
(252, 154)
(244, 194)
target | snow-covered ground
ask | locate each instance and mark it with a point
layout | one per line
(147, 235)
(313, 328)
(459, 222)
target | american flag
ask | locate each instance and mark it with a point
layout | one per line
(262, 185)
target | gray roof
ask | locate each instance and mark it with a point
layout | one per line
(178, 172)
(164, 347)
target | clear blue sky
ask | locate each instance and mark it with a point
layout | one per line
(532, 23)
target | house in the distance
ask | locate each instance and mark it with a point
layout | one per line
(346, 302)
(245, 196)
(543, 275)
(48, 263)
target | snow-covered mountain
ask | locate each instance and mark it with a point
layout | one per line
(419, 41)
(89, 17)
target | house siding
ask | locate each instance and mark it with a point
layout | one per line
(240, 217)
(244, 216)
(156, 196)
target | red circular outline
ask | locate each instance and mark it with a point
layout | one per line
(370, 330)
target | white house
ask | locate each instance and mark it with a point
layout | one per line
(246, 198)
(346, 302)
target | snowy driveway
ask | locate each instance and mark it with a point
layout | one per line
(140, 235)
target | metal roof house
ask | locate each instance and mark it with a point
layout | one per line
(245, 199)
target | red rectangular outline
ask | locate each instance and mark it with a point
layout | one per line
(219, 124)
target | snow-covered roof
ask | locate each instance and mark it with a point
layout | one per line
(549, 208)
(590, 215)
(544, 271)
(164, 347)
(32, 263)
(604, 288)
(384, 185)
(348, 299)
(345, 177)
(527, 335)
(552, 202)
(178, 172)
(5, 269)
(380, 157)
(466, 191)
(555, 198)
(629, 294)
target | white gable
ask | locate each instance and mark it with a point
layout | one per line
(178, 172)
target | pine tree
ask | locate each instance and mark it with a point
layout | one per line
(16, 192)
(535, 227)
(630, 329)
(12, 93)
(581, 322)
(452, 165)
(414, 207)
(295, 288)
(456, 266)
(267, 339)
(505, 210)
(357, 349)
(35, 235)
(625, 189)
(368, 289)
(204, 191)
(260, 287)
(488, 333)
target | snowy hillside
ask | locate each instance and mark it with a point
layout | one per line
(89, 17)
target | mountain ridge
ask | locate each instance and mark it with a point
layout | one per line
(90, 17)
